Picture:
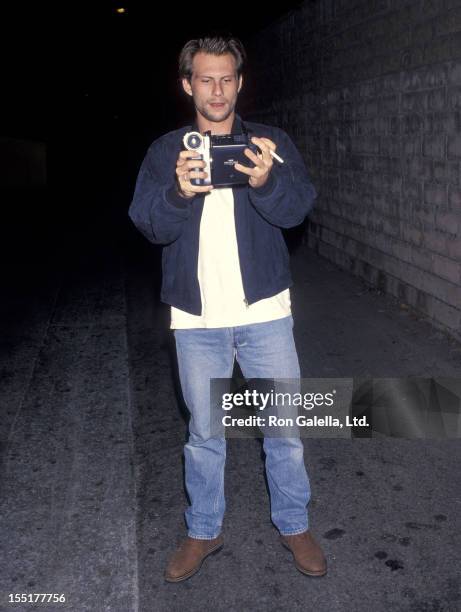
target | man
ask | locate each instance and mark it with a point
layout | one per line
(226, 276)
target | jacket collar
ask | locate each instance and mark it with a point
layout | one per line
(236, 126)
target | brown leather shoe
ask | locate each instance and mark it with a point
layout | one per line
(189, 556)
(308, 556)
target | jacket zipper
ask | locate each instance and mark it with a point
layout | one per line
(238, 250)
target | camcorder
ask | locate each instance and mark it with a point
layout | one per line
(220, 153)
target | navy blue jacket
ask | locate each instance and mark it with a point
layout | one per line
(164, 217)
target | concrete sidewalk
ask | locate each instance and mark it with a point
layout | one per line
(92, 431)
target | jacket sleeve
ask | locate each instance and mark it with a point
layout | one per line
(288, 195)
(157, 210)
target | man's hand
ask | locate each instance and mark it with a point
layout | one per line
(185, 171)
(260, 172)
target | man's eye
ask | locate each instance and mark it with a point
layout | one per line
(205, 80)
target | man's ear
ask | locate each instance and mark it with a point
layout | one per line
(187, 87)
(240, 83)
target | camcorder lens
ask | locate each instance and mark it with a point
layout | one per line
(194, 141)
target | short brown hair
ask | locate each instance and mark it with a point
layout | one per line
(215, 45)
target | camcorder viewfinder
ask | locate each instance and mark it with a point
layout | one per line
(220, 153)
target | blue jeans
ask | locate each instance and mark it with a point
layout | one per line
(263, 350)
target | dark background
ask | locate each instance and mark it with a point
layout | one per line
(98, 87)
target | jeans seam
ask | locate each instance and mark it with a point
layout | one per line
(221, 486)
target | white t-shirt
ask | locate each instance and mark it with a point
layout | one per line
(220, 279)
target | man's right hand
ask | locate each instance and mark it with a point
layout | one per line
(185, 171)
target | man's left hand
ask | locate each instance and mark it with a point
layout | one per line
(263, 162)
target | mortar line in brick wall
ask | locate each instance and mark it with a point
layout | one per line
(388, 13)
(411, 244)
(399, 71)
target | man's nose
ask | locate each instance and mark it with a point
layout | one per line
(217, 90)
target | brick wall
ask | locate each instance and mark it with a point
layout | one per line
(370, 91)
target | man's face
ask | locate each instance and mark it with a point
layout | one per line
(214, 85)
